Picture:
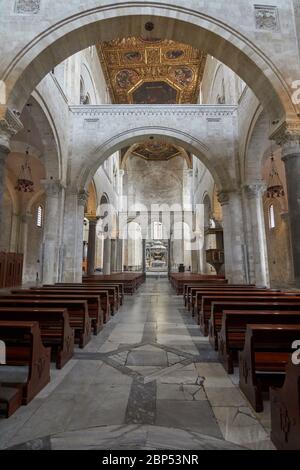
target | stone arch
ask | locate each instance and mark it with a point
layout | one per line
(129, 137)
(103, 22)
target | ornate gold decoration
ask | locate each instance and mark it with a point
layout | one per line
(152, 71)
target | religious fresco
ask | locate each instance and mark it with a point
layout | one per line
(155, 150)
(154, 93)
(151, 71)
(126, 78)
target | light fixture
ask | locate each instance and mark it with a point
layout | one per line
(25, 182)
(275, 187)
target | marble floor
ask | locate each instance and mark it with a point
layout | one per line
(149, 380)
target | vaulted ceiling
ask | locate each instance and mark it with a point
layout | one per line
(140, 71)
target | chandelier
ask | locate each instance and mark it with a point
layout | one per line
(25, 182)
(275, 187)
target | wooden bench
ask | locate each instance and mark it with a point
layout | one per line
(285, 410)
(112, 291)
(131, 281)
(10, 400)
(245, 303)
(231, 337)
(77, 309)
(208, 299)
(94, 283)
(24, 347)
(263, 361)
(54, 325)
(190, 291)
(93, 301)
(178, 280)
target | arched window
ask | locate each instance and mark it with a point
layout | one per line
(39, 216)
(272, 222)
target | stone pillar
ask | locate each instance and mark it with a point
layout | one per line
(120, 255)
(25, 220)
(73, 235)
(234, 240)
(143, 255)
(9, 126)
(52, 230)
(254, 194)
(106, 255)
(288, 136)
(113, 255)
(91, 252)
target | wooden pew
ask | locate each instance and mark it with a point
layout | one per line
(24, 347)
(285, 411)
(93, 283)
(245, 303)
(10, 400)
(54, 325)
(199, 293)
(77, 310)
(179, 279)
(208, 298)
(190, 291)
(93, 301)
(131, 281)
(231, 337)
(263, 361)
(112, 291)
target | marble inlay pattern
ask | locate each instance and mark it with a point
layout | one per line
(149, 380)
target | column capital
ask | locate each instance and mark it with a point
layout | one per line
(121, 173)
(92, 219)
(10, 125)
(82, 196)
(287, 135)
(52, 187)
(26, 217)
(255, 190)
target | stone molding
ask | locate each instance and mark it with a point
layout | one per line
(82, 197)
(52, 187)
(153, 110)
(255, 190)
(288, 133)
(10, 125)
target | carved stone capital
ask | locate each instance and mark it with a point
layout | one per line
(92, 219)
(255, 190)
(52, 187)
(287, 135)
(83, 196)
(223, 197)
(10, 125)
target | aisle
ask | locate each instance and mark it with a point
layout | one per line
(148, 380)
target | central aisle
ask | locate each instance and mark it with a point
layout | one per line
(149, 380)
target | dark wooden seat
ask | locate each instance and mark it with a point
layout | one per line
(231, 337)
(263, 361)
(131, 281)
(10, 400)
(114, 299)
(179, 279)
(93, 301)
(242, 303)
(54, 325)
(285, 411)
(77, 310)
(24, 347)
(94, 283)
(190, 291)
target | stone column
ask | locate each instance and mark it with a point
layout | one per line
(288, 136)
(91, 252)
(9, 126)
(234, 240)
(52, 224)
(143, 255)
(106, 255)
(73, 235)
(25, 220)
(120, 255)
(254, 194)
(113, 255)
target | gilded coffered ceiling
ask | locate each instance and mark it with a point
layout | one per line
(140, 71)
(155, 150)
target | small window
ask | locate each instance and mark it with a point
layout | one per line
(272, 223)
(157, 231)
(39, 216)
